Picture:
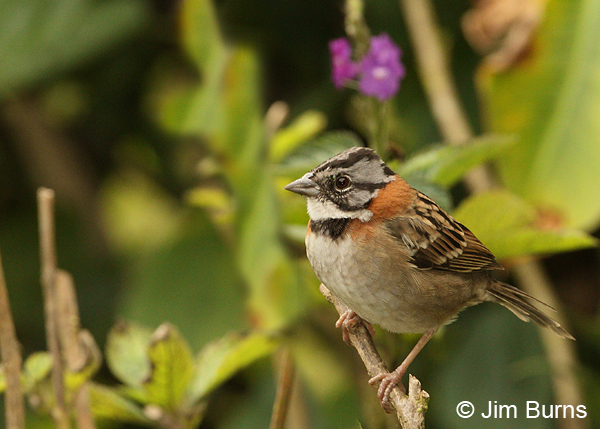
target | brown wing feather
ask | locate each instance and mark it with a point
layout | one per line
(436, 240)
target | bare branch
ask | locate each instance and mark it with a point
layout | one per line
(284, 391)
(11, 357)
(83, 410)
(48, 262)
(434, 69)
(74, 344)
(410, 409)
(68, 322)
(560, 353)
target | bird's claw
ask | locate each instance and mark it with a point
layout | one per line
(348, 321)
(388, 380)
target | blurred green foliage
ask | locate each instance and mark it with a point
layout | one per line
(42, 38)
(153, 121)
(555, 115)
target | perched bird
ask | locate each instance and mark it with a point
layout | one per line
(394, 257)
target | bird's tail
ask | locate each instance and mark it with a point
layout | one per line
(516, 301)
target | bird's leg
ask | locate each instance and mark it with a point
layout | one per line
(347, 321)
(394, 378)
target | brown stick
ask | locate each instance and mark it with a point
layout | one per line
(561, 354)
(83, 410)
(284, 391)
(48, 259)
(452, 121)
(434, 68)
(410, 409)
(75, 352)
(11, 358)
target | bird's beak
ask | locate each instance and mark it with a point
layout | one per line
(303, 186)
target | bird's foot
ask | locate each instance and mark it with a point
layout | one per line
(388, 381)
(394, 378)
(348, 321)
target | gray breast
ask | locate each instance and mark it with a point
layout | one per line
(375, 286)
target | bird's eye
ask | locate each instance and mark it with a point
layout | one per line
(342, 182)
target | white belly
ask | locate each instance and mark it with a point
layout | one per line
(372, 284)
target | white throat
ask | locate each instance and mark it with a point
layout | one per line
(321, 210)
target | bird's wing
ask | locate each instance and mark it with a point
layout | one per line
(436, 240)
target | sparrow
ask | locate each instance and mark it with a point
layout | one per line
(394, 257)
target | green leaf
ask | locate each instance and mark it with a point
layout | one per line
(172, 368)
(273, 279)
(312, 153)
(445, 165)
(216, 201)
(127, 353)
(192, 266)
(37, 367)
(327, 380)
(226, 105)
(551, 99)
(221, 359)
(195, 110)
(506, 224)
(106, 403)
(133, 207)
(199, 110)
(201, 35)
(242, 136)
(304, 127)
(39, 38)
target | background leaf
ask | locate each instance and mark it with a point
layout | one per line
(200, 108)
(41, 37)
(127, 353)
(313, 152)
(36, 368)
(304, 127)
(221, 359)
(446, 165)
(172, 368)
(506, 224)
(273, 281)
(108, 404)
(551, 100)
(201, 35)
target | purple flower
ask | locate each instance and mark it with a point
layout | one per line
(342, 67)
(381, 69)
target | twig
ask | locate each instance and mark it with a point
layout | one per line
(434, 68)
(48, 277)
(11, 357)
(452, 121)
(431, 56)
(410, 409)
(76, 352)
(83, 410)
(284, 391)
(356, 27)
(560, 353)
(68, 321)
